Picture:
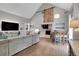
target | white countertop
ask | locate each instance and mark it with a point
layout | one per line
(75, 46)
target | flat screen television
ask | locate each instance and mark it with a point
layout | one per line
(45, 26)
(9, 26)
(47, 32)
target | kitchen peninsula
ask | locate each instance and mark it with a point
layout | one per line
(11, 46)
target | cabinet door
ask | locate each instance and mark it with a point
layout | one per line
(28, 41)
(14, 46)
(4, 48)
(23, 43)
(35, 39)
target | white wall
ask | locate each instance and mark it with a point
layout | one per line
(75, 10)
(37, 20)
(4, 16)
(70, 29)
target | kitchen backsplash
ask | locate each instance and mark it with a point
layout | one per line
(5, 35)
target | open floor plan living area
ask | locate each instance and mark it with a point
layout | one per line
(39, 29)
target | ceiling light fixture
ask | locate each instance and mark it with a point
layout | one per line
(74, 23)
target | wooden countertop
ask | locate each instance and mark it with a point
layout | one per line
(75, 46)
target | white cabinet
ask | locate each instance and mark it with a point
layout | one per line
(35, 39)
(18, 44)
(4, 48)
(14, 46)
(27, 41)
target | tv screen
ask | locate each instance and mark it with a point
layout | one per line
(8, 26)
(45, 26)
(48, 32)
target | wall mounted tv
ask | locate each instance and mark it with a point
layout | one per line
(47, 32)
(9, 26)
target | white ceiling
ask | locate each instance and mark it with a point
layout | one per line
(27, 10)
(66, 6)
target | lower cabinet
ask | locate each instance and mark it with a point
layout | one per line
(27, 41)
(4, 48)
(19, 44)
(35, 39)
(15, 45)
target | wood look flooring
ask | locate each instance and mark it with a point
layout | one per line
(45, 48)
